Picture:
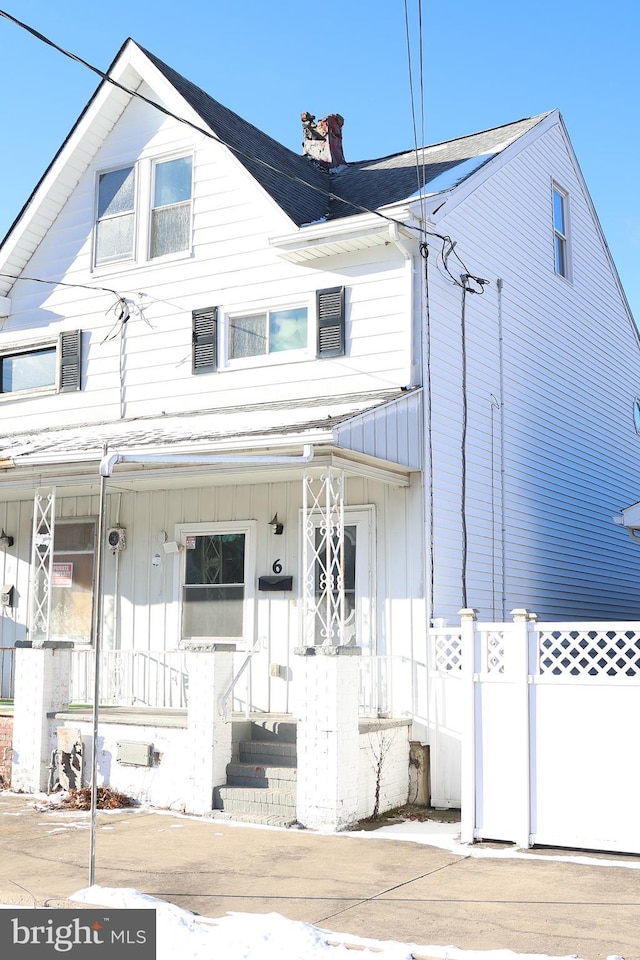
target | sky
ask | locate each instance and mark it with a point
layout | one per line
(483, 65)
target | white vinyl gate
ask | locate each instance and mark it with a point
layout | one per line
(548, 715)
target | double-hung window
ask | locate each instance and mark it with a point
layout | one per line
(171, 207)
(560, 231)
(115, 228)
(144, 210)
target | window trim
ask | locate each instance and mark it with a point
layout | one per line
(265, 359)
(558, 235)
(249, 529)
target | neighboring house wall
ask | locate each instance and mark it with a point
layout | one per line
(552, 372)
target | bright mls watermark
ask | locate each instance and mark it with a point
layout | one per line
(32, 934)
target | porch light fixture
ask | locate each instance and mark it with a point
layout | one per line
(278, 527)
(5, 540)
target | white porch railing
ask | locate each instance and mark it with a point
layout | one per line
(140, 678)
(386, 685)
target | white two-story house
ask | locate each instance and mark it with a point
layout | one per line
(255, 403)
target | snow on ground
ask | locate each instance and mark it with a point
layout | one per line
(245, 936)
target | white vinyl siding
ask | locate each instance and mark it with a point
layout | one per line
(548, 468)
(230, 265)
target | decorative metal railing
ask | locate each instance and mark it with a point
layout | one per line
(140, 678)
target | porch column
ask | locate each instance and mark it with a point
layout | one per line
(42, 681)
(210, 672)
(328, 737)
(323, 557)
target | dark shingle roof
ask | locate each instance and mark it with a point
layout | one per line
(307, 192)
(375, 183)
(299, 187)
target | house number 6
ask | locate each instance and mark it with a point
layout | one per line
(277, 567)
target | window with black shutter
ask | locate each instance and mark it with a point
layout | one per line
(205, 332)
(331, 322)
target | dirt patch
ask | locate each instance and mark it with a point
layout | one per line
(410, 811)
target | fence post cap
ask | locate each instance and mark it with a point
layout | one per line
(520, 614)
(468, 613)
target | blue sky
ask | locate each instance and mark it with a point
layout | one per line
(484, 65)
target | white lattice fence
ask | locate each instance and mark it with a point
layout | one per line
(588, 650)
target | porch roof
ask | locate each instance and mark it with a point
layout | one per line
(374, 432)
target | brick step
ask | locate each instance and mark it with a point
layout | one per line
(267, 753)
(258, 775)
(255, 800)
(274, 729)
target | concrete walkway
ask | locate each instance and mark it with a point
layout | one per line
(380, 888)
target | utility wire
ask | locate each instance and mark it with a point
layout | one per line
(199, 129)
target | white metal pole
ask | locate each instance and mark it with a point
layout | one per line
(97, 636)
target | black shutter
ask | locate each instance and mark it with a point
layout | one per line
(205, 335)
(69, 360)
(330, 303)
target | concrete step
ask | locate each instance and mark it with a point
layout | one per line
(258, 775)
(268, 820)
(274, 729)
(267, 753)
(255, 800)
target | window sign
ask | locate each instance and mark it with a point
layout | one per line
(62, 575)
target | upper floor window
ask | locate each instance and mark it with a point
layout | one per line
(171, 207)
(561, 231)
(36, 367)
(144, 207)
(270, 332)
(221, 340)
(115, 229)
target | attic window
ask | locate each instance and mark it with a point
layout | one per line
(171, 209)
(115, 229)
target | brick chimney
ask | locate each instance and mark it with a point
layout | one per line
(323, 140)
